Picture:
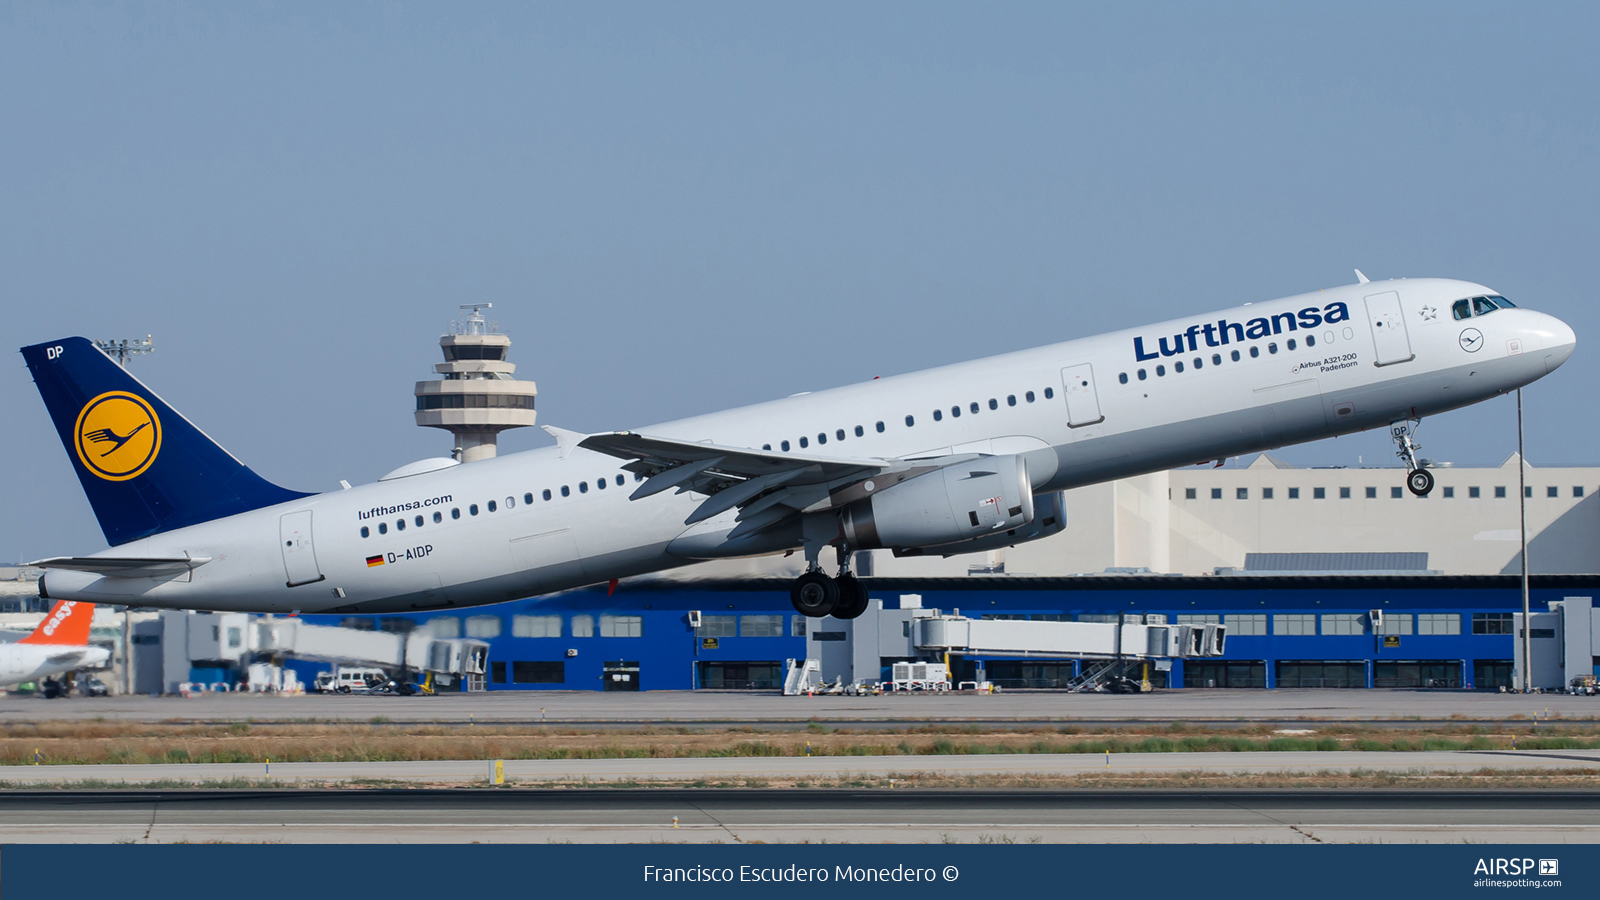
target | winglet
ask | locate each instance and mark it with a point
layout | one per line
(565, 440)
(1361, 277)
(67, 624)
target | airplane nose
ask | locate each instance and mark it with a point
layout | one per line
(1560, 341)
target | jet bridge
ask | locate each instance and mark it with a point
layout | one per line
(858, 651)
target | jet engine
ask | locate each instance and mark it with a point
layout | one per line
(1049, 517)
(958, 502)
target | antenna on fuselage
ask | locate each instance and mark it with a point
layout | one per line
(1361, 278)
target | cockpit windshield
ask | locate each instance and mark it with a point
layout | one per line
(1479, 306)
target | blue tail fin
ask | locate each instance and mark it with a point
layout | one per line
(145, 468)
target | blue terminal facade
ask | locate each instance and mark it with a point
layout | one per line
(1301, 631)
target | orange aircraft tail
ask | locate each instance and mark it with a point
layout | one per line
(68, 623)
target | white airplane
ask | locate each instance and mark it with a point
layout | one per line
(60, 644)
(956, 459)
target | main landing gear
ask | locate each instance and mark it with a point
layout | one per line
(816, 595)
(1419, 481)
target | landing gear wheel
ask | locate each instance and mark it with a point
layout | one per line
(814, 594)
(852, 597)
(1420, 482)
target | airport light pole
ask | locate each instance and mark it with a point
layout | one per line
(1522, 529)
(122, 351)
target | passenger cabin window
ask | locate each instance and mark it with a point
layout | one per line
(1235, 355)
(1160, 371)
(822, 438)
(492, 506)
(861, 431)
(1216, 359)
(383, 528)
(528, 497)
(583, 488)
(1049, 393)
(785, 446)
(400, 524)
(955, 412)
(1122, 377)
(455, 512)
(546, 494)
(804, 443)
(1461, 309)
(879, 426)
(566, 491)
(619, 481)
(993, 403)
(365, 532)
(600, 483)
(1255, 352)
(1141, 375)
(938, 416)
(839, 434)
(1028, 396)
(910, 421)
(1011, 399)
(1177, 366)
(975, 407)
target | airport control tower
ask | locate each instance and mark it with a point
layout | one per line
(479, 397)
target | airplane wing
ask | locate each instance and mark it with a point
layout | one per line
(125, 566)
(766, 487)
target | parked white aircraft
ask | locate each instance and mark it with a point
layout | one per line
(957, 459)
(60, 644)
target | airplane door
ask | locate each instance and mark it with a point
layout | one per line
(1083, 405)
(299, 556)
(1388, 324)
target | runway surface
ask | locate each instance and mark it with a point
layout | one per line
(737, 769)
(792, 816)
(734, 708)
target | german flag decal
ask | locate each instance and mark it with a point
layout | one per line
(375, 560)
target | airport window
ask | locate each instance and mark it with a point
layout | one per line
(761, 626)
(1395, 623)
(717, 626)
(1577, 490)
(1177, 366)
(546, 494)
(417, 521)
(1241, 493)
(492, 506)
(1527, 492)
(797, 626)
(1294, 623)
(483, 626)
(785, 446)
(1160, 371)
(1216, 359)
(1141, 375)
(1344, 493)
(583, 488)
(1266, 493)
(910, 421)
(1449, 492)
(538, 672)
(822, 438)
(472, 509)
(536, 626)
(1216, 493)
(1500, 493)
(400, 524)
(1319, 493)
(1122, 377)
(1272, 348)
(356, 623)
(1474, 493)
(566, 491)
(1247, 624)
(365, 532)
(879, 426)
(583, 626)
(1290, 343)
(1188, 493)
(1198, 619)
(497, 672)
(840, 433)
(621, 626)
(973, 407)
(1294, 493)
(1438, 623)
(1396, 493)
(1342, 623)
(383, 528)
(993, 403)
(455, 512)
(1493, 623)
(1028, 396)
(1372, 493)
(1461, 309)
(1234, 356)
(1049, 393)
(1552, 491)
(1255, 352)
(938, 415)
(445, 627)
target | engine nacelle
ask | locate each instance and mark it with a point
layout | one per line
(1049, 517)
(959, 502)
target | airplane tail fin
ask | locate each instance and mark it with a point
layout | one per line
(67, 624)
(145, 468)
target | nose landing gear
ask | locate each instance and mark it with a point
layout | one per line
(1419, 481)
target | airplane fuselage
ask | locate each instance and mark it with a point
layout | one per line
(1080, 412)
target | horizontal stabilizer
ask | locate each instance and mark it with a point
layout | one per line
(125, 566)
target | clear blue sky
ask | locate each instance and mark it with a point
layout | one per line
(679, 207)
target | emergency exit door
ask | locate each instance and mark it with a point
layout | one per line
(299, 555)
(1388, 323)
(1083, 405)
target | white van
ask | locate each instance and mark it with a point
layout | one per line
(351, 681)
